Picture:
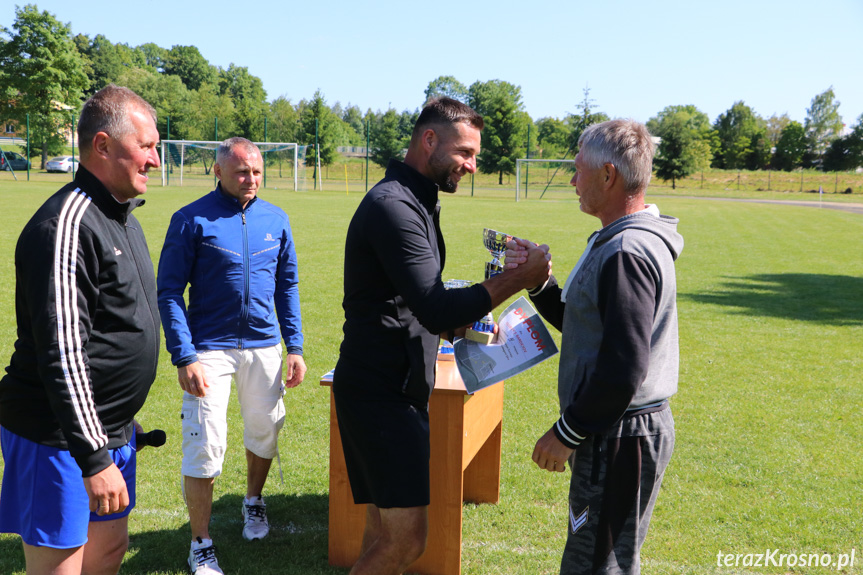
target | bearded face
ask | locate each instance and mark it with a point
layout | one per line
(454, 156)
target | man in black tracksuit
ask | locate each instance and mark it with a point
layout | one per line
(87, 349)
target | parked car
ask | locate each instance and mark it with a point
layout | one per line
(12, 161)
(61, 164)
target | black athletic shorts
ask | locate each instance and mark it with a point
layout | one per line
(386, 444)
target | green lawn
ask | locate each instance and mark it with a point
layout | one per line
(768, 413)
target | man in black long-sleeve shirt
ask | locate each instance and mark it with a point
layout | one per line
(395, 306)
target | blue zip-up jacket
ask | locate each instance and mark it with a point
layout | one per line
(241, 268)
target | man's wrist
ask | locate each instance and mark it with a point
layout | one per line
(186, 361)
(567, 434)
(538, 289)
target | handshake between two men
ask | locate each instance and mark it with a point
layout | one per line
(549, 453)
(531, 267)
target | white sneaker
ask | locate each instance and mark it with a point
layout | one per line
(202, 558)
(255, 524)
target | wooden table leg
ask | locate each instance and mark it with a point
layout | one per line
(482, 476)
(465, 465)
(443, 550)
(346, 519)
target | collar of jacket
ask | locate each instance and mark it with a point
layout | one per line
(231, 200)
(425, 190)
(664, 227)
(94, 187)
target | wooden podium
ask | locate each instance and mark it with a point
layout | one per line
(465, 466)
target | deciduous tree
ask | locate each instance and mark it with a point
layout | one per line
(168, 95)
(353, 117)
(154, 56)
(447, 86)
(107, 61)
(552, 137)
(284, 120)
(846, 152)
(209, 106)
(43, 75)
(503, 137)
(190, 66)
(742, 139)
(775, 125)
(250, 100)
(823, 124)
(790, 148)
(684, 147)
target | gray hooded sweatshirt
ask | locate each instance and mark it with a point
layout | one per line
(619, 351)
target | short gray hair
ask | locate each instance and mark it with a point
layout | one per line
(626, 144)
(108, 111)
(226, 148)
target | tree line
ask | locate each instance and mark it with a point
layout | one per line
(46, 73)
(741, 139)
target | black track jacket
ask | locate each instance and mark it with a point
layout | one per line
(88, 325)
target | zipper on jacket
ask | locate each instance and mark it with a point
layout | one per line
(244, 316)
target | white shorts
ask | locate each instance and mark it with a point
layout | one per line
(260, 387)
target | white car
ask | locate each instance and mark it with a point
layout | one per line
(61, 164)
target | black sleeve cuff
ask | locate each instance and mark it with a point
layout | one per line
(568, 435)
(93, 463)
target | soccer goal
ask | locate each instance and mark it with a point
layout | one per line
(191, 162)
(540, 173)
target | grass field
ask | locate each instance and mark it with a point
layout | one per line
(768, 413)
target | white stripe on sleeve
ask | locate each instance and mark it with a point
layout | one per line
(66, 302)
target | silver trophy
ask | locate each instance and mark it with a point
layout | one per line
(495, 243)
(445, 349)
(482, 331)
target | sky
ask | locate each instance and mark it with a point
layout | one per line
(634, 56)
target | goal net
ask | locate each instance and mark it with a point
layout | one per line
(535, 177)
(190, 162)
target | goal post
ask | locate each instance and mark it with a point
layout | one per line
(546, 179)
(185, 155)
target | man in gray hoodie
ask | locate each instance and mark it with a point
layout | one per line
(617, 313)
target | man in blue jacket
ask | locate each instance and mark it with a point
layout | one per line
(236, 253)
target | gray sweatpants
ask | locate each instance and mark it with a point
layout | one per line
(615, 481)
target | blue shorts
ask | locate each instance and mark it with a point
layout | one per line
(43, 497)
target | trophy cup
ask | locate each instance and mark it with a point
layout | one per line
(482, 331)
(445, 348)
(495, 243)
